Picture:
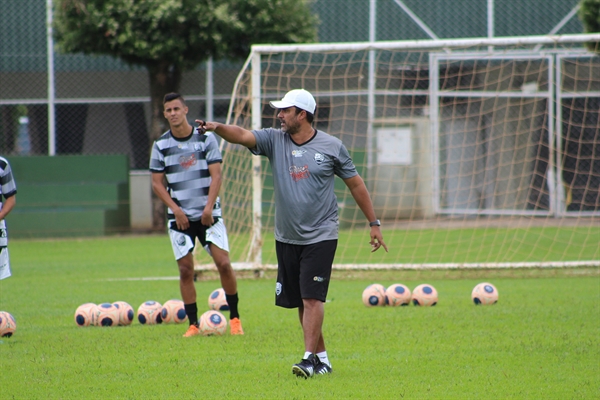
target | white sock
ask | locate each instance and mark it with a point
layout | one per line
(323, 357)
(306, 354)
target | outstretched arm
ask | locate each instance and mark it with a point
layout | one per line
(359, 191)
(231, 133)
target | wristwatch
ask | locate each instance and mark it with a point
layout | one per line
(375, 223)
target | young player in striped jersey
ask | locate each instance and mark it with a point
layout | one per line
(8, 190)
(191, 165)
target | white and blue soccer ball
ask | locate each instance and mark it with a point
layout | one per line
(148, 313)
(212, 323)
(484, 294)
(173, 311)
(8, 324)
(217, 300)
(397, 295)
(126, 313)
(424, 295)
(106, 314)
(85, 314)
(374, 295)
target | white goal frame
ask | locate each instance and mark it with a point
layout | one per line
(258, 98)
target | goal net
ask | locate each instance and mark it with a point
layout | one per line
(476, 152)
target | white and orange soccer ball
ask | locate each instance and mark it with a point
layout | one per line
(125, 312)
(374, 295)
(217, 300)
(85, 314)
(484, 294)
(424, 295)
(212, 322)
(148, 313)
(397, 295)
(8, 325)
(106, 314)
(173, 311)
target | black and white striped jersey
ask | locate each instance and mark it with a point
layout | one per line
(8, 186)
(185, 164)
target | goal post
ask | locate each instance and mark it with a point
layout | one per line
(477, 152)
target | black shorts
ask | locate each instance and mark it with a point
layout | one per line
(303, 272)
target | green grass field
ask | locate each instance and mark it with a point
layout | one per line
(540, 341)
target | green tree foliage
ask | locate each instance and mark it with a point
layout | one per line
(589, 13)
(172, 36)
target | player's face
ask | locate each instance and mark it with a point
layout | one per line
(175, 112)
(289, 120)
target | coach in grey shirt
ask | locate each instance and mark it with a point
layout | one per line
(304, 162)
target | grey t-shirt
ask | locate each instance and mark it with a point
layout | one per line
(306, 209)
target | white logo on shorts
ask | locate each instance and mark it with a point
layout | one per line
(181, 240)
(278, 288)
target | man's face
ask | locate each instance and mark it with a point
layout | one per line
(175, 112)
(289, 120)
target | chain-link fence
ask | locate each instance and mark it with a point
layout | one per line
(102, 105)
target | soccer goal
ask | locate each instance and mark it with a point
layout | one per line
(476, 152)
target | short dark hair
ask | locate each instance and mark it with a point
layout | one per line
(310, 117)
(173, 96)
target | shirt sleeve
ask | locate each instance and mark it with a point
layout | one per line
(343, 165)
(157, 159)
(213, 154)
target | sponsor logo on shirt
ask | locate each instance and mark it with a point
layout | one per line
(298, 173)
(187, 161)
(298, 153)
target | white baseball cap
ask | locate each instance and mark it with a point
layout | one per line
(299, 98)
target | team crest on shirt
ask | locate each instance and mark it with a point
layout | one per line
(298, 153)
(187, 161)
(197, 146)
(319, 158)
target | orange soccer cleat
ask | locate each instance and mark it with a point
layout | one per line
(235, 326)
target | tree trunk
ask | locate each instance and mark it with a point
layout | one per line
(164, 78)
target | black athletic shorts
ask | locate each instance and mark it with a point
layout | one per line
(303, 272)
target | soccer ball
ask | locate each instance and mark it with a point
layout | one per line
(424, 295)
(8, 325)
(485, 293)
(212, 322)
(149, 313)
(397, 295)
(217, 300)
(106, 315)
(173, 311)
(374, 295)
(85, 314)
(125, 312)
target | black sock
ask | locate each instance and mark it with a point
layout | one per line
(192, 312)
(232, 301)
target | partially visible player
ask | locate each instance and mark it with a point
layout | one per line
(8, 191)
(191, 164)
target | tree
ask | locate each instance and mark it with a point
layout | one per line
(589, 13)
(169, 37)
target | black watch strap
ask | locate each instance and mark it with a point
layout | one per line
(375, 223)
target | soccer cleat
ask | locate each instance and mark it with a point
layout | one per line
(235, 327)
(305, 368)
(322, 369)
(192, 331)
